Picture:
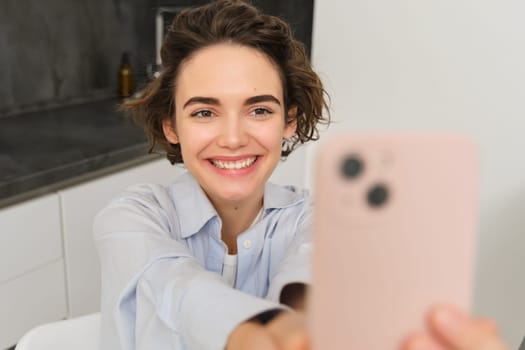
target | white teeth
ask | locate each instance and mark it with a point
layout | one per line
(234, 165)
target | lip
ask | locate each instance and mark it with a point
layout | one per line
(235, 172)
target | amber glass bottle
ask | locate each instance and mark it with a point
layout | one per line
(125, 77)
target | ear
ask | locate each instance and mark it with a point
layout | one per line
(291, 122)
(169, 130)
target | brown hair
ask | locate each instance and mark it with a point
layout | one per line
(237, 22)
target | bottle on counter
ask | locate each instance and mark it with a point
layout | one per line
(125, 77)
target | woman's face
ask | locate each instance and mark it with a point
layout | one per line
(230, 121)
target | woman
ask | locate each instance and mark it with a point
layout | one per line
(220, 258)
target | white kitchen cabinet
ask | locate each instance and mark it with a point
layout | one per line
(32, 286)
(80, 204)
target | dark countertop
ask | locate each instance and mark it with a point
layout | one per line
(45, 151)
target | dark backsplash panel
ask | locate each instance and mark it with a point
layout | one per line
(299, 13)
(57, 52)
(60, 52)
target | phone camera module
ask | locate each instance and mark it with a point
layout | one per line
(352, 166)
(377, 195)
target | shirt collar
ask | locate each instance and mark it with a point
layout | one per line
(280, 197)
(194, 209)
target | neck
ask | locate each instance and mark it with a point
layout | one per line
(236, 218)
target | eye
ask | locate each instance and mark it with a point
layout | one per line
(260, 112)
(203, 113)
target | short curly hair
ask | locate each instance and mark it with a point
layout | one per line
(232, 21)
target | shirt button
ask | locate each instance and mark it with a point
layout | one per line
(247, 244)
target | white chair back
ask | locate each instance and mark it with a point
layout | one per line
(81, 333)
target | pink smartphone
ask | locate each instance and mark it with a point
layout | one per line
(395, 222)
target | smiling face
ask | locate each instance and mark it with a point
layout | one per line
(230, 121)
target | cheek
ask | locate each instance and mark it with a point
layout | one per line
(191, 129)
(194, 138)
(271, 136)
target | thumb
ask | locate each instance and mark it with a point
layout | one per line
(461, 332)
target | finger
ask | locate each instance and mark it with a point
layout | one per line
(460, 332)
(421, 341)
(488, 325)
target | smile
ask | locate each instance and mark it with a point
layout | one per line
(240, 164)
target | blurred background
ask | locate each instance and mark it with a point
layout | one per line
(64, 149)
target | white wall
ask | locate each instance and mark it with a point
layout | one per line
(292, 170)
(443, 64)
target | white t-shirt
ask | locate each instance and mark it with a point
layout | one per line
(229, 267)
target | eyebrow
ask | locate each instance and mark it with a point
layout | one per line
(214, 101)
(203, 100)
(262, 98)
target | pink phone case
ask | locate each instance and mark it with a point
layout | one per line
(394, 223)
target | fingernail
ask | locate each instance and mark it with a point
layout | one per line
(449, 321)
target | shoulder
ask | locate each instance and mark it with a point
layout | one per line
(157, 208)
(152, 196)
(137, 207)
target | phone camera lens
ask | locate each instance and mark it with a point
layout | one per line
(378, 195)
(351, 167)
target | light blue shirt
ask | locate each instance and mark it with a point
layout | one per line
(161, 259)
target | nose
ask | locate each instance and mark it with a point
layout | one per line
(233, 132)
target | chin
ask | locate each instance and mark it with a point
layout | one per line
(232, 193)
(234, 196)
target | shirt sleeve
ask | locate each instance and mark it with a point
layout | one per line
(295, 266)
(155, 294)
